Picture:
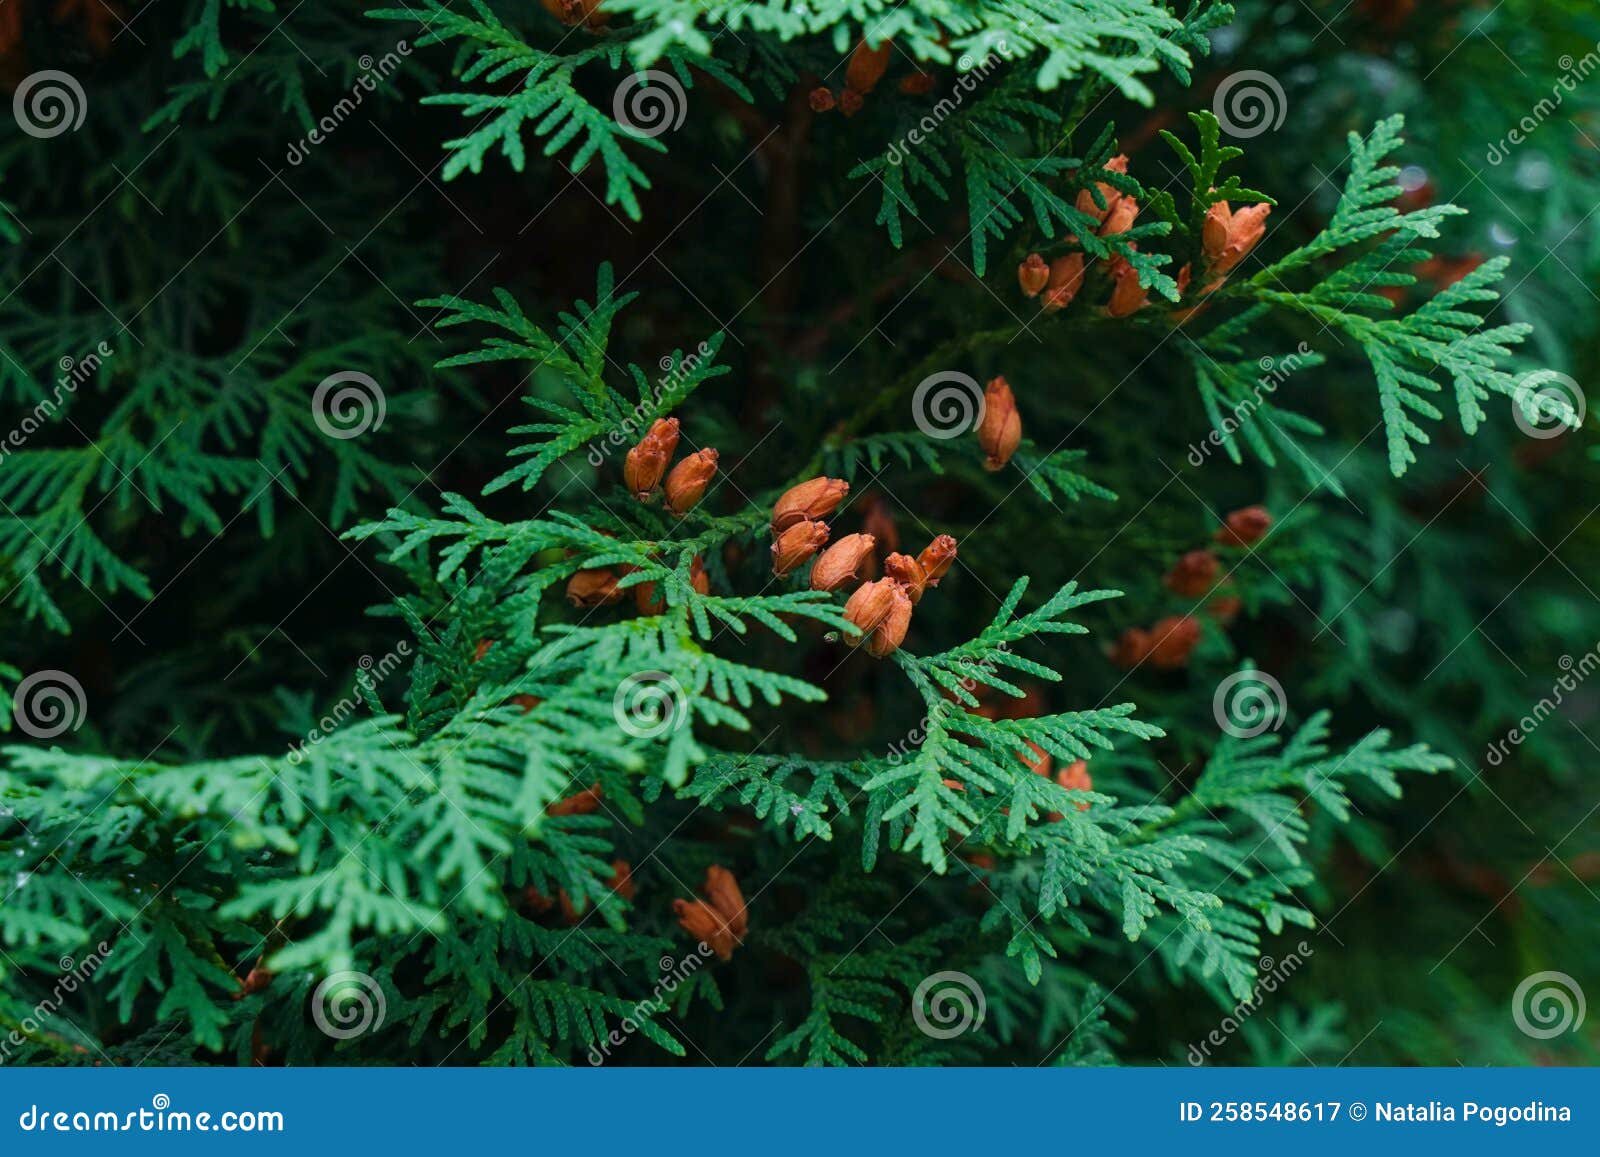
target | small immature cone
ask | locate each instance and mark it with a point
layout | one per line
(850, 102)
(621, 881)
(868, 608)
(1228, 236)
(811, 500)
(648, 461)
(821, 99)
(891, 632)
(1193, 574)
(1085, 202)
(582, 804)
(721, 890)
(1033, 275)
(593, 588)
(937, 558)
(1074, 777)
(795, 545)
(1066, 278)
(1000, 432)
(700, 920)
(841, 562)
(481, 649)
(1127, 295)
(866, 67)
(1172, 641)
(908, 572)
(1121, 217)
(527, 702)
(687, 483)
(1132, 648)
(1245, 526)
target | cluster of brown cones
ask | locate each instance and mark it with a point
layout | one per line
(720, 919)
(879, 612)
(862, 72)
(644, 471)
(1168, 643)
(1225, 240)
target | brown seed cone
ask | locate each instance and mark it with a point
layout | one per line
(687, 483)
(908, 572)
(1121, 217)
(867, 66)
(809, 501)
(841, 563)
(868, 607)
(1086, 203)
(701, 921)
(1033, 275)
(647, 462)
(1245, 526)
(1127, 295)
(892, 631)
(1172, 641)
(721, 891)
(795, 545)
(1000, 432)
(821, 99)
(581, 804)
(937, 558)
(1228, 237)
(593, 588)
(917, 84)
(850, 102)
(1193, 574)
(1066, 278)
